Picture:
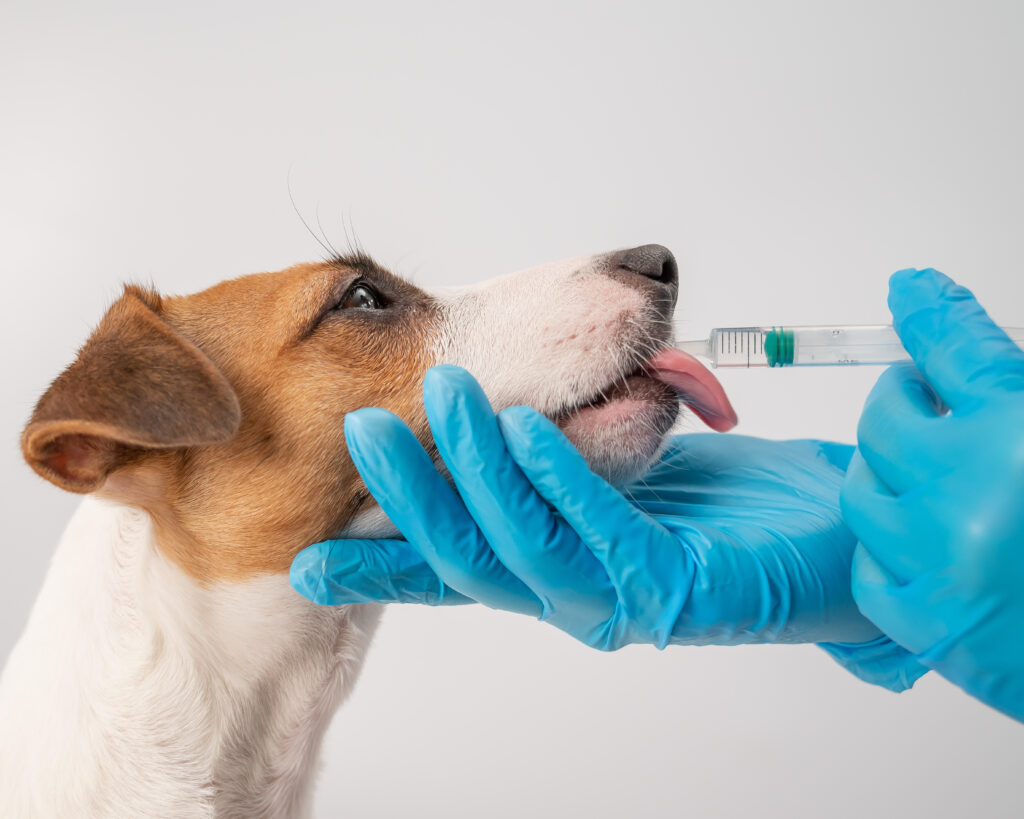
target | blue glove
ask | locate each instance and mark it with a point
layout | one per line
(727, 540)
(936, 498)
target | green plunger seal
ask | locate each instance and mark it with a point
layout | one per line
(779, 347)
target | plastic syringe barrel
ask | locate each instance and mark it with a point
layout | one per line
(806, 346)
(822, 346)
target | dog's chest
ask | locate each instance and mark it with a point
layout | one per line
(135, 692)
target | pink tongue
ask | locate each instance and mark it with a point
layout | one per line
(699, 389)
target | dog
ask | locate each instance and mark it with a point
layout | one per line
(167, 668)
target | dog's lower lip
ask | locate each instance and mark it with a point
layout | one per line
(634, 385)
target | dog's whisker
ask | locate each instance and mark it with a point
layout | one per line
(334, 252)
(328, 250)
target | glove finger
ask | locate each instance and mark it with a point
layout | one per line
(961, 352)
(876, 517)
(900, 433)
(651, 572)
(885, 602)
(340, 572)
(880, 662)
(533, 543)
(432, 517)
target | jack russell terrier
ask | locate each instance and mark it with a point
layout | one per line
(168, 669)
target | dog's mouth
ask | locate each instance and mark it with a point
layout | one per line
(620, 429)
(665, 379)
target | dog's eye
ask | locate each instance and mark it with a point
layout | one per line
(361, 295)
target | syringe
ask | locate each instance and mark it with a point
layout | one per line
(806, 346)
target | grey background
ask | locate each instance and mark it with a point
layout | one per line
(792, 154)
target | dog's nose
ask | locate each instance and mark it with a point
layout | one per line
(653, 261)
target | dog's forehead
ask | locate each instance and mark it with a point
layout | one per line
(287, 294)
(284, 292)
(260, 310)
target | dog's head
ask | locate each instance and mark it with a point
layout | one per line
(222, 413)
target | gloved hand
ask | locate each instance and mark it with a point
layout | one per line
(728, 539)
(936, 498)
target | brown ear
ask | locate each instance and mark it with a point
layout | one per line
(136, 385)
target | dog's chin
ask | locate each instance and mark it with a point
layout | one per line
(622, 433)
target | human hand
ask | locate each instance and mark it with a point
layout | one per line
(936, 493)
(728, 540)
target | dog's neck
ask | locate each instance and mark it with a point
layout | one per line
(146, 694)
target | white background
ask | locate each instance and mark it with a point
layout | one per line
(792, 154)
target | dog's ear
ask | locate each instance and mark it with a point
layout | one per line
(136, 386)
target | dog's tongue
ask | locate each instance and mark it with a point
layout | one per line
(698, 388)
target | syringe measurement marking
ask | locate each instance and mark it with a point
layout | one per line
(734, 343)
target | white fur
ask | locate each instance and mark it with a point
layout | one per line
(545, 336)
(553, 336)
(136, 692)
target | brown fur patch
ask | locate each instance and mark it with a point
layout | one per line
(234, 506)
(135, 386)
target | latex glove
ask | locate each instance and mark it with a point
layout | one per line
(728, 539)
(937, 498)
